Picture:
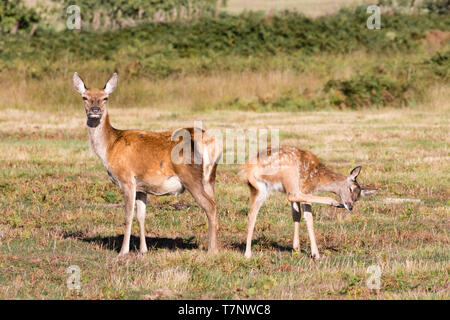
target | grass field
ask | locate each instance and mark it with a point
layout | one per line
(380, 99)
(60, 209)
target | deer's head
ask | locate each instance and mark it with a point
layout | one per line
(94, 99)
(350, 190)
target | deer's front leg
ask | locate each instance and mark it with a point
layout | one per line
(296, 215)
(129, 194)
(307, 213)
(141, 201)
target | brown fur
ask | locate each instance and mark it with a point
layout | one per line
(299, 174)
(140, 163)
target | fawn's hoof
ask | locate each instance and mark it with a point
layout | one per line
(213, 250)
(121, 255)
(315, 256)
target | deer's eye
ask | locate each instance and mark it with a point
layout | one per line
(85, 99)
(105, 99)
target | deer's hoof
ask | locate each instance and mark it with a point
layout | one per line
(121, 255)
(338, 205)
(315, 256)
(213, 250)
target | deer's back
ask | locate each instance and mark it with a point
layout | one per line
(278, 164)
(147, 157)
(141, 152)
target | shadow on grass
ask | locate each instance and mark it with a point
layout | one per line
(258, 244)
(265, 244)
(114, 243)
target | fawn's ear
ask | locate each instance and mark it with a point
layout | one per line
(111, 84)
(368, 192)
(354, 173)
(78, 84)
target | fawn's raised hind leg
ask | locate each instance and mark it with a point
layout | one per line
(292, 189)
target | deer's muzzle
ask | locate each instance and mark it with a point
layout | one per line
(94, 113)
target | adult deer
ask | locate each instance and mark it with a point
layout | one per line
(299, 174)
(142, 163)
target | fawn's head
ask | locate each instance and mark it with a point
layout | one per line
(350, 190)
(94, 99)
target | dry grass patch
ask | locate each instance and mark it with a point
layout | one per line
(312, 8)
(58, 208)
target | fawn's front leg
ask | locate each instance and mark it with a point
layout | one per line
(290, 181)
(296, 215)
(307, 213)
(129, 194)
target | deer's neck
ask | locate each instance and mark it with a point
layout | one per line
(329, 181)
(101, 135)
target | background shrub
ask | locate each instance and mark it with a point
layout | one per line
(14, 15)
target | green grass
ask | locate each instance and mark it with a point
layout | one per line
(244, 62)
(60, 209)
(160, 50)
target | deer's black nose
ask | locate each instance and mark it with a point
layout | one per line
(349, 206)
(95, 110)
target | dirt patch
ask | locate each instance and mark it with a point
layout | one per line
(435, 39)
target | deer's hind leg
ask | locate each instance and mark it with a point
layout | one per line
(208, 187)
(195, 186)
(291, 183)
(210, 159)
(209, 179)
(258, 194)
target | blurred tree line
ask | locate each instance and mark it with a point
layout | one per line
(104, 14)
(15, 16)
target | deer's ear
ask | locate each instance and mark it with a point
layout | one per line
(354, 173)
(368, 192)
(111, 84)
(78, 84)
